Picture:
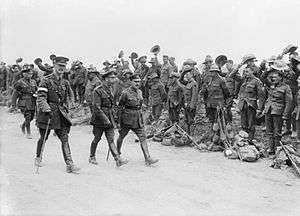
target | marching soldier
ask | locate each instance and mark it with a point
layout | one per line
(215, 93)
(131, 117)
(92, 83)
(53, 112)
(250, 92)
(26, 89)
(277, 106)
(121, 84)
(103, 119)
(190, 92)
(157, 96)
(175, 97)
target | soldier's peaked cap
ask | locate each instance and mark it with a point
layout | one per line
(60, 60)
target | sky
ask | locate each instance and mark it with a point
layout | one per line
(96, 30)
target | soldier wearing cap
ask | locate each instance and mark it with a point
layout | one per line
(173, 64)
(53, 111)
(166, 70)
(107, 66)
(78, 77)
(92, 82)
(190, 92)
(208, 61)
(25, 90)
(142, 71)
(249, 60)
(215, 93)
(175, 97)
(131, 117)
(250, 92)
(103, 119)
(232, 81)
(277, 106)
(121, 84)
(157, 95)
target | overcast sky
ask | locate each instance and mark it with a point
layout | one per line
(96, 30)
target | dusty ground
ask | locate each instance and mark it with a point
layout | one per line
(185, 182)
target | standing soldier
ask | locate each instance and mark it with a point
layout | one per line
(53, 112)
(207, 65)
(131, 117)
(166, 70)
(251, 90)
(103, 119)
(142, 71)
(3, 76)
(79, 81)
(232, 80)
(92, 83)
(190, 92)
(175, 98)
(296, 114)
(278, 105)
(26, 89)
(157, 96)
(173, 64)
(215, 93)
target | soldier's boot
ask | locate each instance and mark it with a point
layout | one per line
(22, 126)
(119, 161)
(92, 160)
(272, 147)
(38, 162)
(71, 168)
(148, 159)
(119, 145)
(28, 135)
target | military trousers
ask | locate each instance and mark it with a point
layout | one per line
(274, 128)
(140, 133)
(211, 114)
(248, 117)
(63, 136)
(109, 134)
(28, 116)
(174, 114)
(156, 111)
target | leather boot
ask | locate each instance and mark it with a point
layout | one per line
(71, 168)
(120, 161)
(148, 159)
(28, 135)
(38, 162)
(22, 126)
(92, 160)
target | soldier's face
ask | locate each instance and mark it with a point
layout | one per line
(136, 83)
(165, 60)
(27, 75)
(91, 76)
(111, 79)
(59, 69)
(276, 78)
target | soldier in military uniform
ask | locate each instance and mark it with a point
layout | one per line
(131, 117)
(190, 92)
(3, 76)
(142, 71)
(53, 112)
(166, 70)
(277, 106)
(157, 96)
(250, 92)
(78, 81)
(296, 114)
(26, 89)
(121, 84)
(215, 93)
(92, 83)
(232, 81)
(249, 60)
(103, 119)
(173, 64)
(175, 97)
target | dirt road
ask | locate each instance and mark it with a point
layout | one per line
(185, 182)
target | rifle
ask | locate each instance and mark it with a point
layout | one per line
(188, 136)
(161, 132)
(286, 151)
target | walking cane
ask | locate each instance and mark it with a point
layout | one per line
(43, 144)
